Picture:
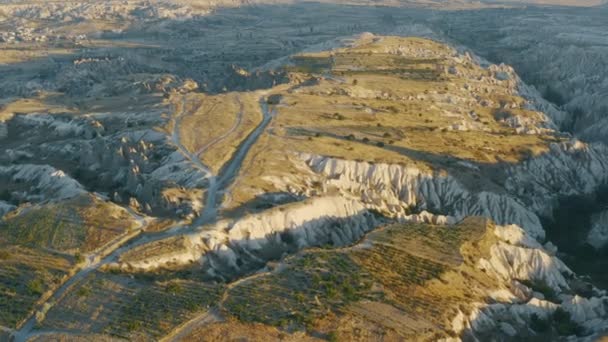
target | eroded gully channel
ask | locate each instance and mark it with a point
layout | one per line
(568, 229)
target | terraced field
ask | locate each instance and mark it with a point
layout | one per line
(42, 246)
(402, 273)
(26, 277)
(397, 274)
(79, 225)
(140, 308)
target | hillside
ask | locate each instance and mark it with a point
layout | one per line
(185, 171)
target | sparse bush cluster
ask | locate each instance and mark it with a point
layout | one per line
(559, 322)
(541, 287)
(313, 284)
(159, 307)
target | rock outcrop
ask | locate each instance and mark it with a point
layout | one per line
(39, 183)
(569, 168)
(231, 248)
(395, 190)
(515, 259)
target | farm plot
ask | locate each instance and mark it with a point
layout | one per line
(79, 225)
(26, 275)
(409, 274)
(140, 308)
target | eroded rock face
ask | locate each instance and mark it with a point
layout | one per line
(512, 262)
(231, 248)
(569, 168)
(37, 183)
(395, 189)
(533, 186)
(3, 131)
(119, 156)
(566, 60)
(517, 258)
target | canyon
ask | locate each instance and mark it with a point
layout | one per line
(295, 170)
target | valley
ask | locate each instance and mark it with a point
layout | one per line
(409, 170)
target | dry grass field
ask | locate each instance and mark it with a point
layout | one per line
(391, 100)
(79, 225)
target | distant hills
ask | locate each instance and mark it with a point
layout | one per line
(580, 3)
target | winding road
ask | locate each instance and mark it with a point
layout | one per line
(112, 252)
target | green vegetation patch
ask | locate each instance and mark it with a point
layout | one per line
(157, 308)
(312, 284)
(402, 266)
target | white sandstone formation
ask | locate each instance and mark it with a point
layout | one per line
(591, 312)
(429, 218)
(231, 247)
(569, 168)
(394, 189)
(517, 256)
(141, 163)
(533, 186)
(62, 127)
(39, 183)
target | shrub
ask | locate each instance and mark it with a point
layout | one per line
(393, 109)
(35, 287)
(84, 291)
(332, 337)
(339, 116)
(174, 288)
(542, 287)
(79, 258)
(133, 325)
